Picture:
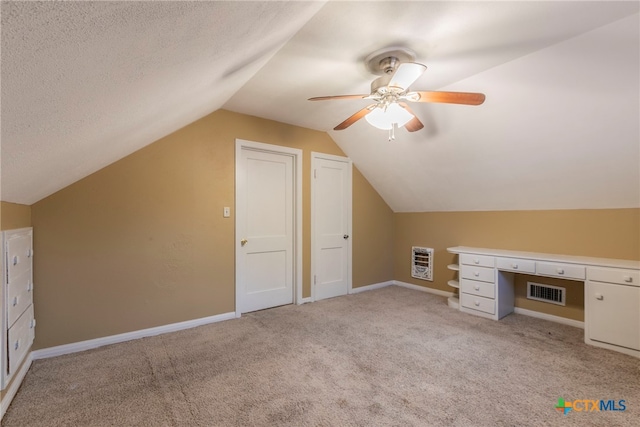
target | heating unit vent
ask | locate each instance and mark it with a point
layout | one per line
(546, 293)
(422, 263)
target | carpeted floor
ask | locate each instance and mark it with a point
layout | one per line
(389, 357)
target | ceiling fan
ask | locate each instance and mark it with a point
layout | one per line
(390, 92)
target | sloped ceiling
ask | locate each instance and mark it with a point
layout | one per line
(84, 84)
(87, 83)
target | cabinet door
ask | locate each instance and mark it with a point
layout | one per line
(613, 313)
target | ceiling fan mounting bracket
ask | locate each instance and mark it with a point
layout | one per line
(387, 60)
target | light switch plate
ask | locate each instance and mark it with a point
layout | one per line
(226, 212)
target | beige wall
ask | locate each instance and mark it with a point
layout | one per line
(143, 243)
(13, 215)
(373, 234)
(608, 233)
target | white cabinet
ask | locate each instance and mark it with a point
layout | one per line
(612, 309)
(611, 299)
(18, 322)
(483, 290)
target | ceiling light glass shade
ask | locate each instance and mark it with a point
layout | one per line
(385, 119)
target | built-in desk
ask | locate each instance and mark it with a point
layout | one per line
(612, 289)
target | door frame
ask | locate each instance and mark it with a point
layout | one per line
(296, 154)
(314, 157)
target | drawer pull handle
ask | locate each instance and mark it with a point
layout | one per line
(599, 297)
(476, 303)
(15, 301)
(475, 273)
(560, 271)
(514, 266)
(16, 345)
(628, 279)
(15, 260)
(476, 287)
(476, 261)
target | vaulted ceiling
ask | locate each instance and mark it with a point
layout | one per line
(84, 84)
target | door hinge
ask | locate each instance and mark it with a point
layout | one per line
(315, 173)
(314, 279)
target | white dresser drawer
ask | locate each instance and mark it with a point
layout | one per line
(20, 338)
(479, 260)
(517, 265)
(19, 296)
(484, 274)
(19, 254)
(475, 302)
(614, 275)
(567, 271)
(474, 287)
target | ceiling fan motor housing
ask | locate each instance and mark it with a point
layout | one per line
(389, 64)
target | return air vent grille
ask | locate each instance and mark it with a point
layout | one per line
(422, 263)
(546, 293)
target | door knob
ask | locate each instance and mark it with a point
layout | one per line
(345, 237)
(243, 242)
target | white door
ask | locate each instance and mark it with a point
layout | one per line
(264, 229)
(331, 226)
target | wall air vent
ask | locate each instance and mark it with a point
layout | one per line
(546, 293)
(422, 263)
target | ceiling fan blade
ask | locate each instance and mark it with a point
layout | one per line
(325, 98)
(406, 74)
(413, 124)
(354, 118)
(466, 98)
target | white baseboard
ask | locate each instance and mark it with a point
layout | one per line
(423, 289)
(370, 287)
(128, 336)
(304, 300)
(15, 385)
(550, 317)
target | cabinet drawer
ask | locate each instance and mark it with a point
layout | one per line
(474, 287)
(568, 271)
(20, 338)
(475, 302)
(614, 275)
(19, 296)
(515, 264)
(19, 254)
(478, 273)
(479, 260)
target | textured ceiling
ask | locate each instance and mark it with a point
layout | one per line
(87, 83)
(84, 84)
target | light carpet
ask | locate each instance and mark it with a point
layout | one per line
(388, 357)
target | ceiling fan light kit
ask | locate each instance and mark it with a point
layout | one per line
(384, 118)
(390, 92)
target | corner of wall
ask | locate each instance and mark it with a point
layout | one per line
(14, 215)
